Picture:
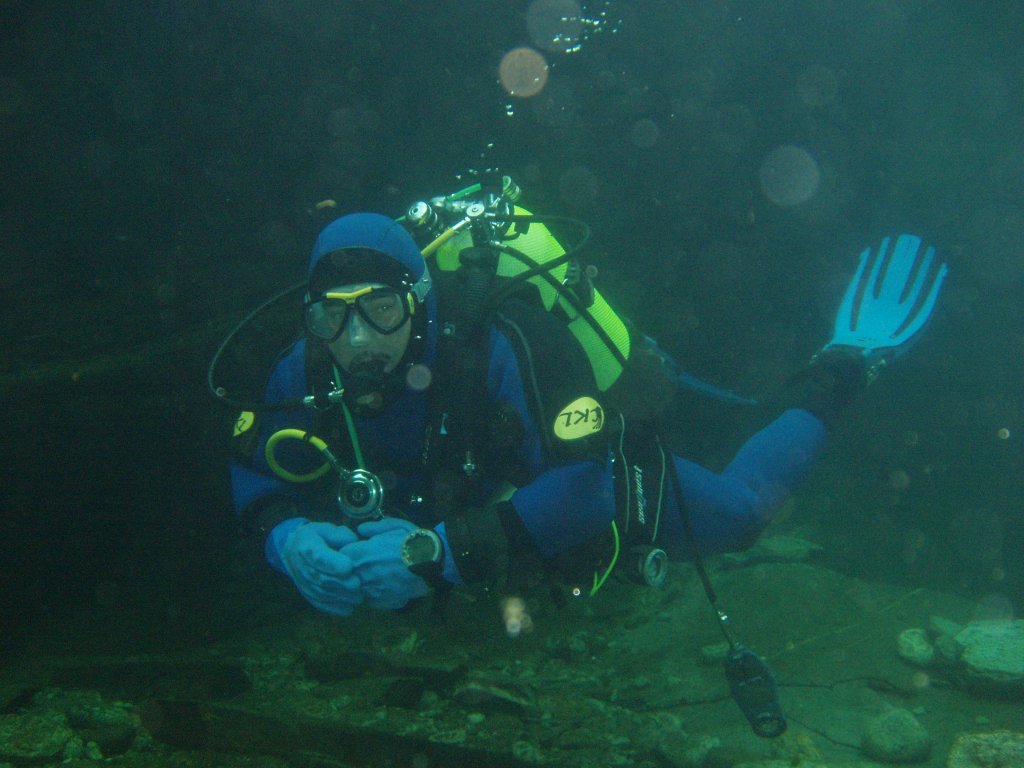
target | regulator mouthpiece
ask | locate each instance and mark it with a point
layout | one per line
(365, 385)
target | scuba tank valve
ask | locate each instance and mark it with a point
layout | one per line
(421, 216)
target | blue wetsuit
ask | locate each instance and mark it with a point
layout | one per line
(569, 487)
(565, 503)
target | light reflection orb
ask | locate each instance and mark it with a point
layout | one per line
(523, 72)
(789, 175)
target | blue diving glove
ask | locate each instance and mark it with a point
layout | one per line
(311, 554)
(386, 580)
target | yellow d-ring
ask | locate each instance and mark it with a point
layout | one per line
(295, 434)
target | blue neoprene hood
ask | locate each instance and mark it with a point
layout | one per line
(370, 230)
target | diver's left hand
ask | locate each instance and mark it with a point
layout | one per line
(386, 581)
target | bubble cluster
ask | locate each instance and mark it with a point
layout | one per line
(555, 25)
(562, 26)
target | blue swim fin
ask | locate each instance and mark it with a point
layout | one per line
(889, 300)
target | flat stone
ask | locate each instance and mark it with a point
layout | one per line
(491, 698)
(773, 549)
(987, 750)
(913, 646)
(993, 654)
(896, 737)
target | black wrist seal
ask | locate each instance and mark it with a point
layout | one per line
(260, 517)
(833, 381)
(485, 541)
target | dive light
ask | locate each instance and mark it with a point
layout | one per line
(755, 691)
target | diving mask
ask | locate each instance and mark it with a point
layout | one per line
(383, 309)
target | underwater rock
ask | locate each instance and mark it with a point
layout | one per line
(993, 655)
(527, 752)
(32, 738)
(773, 549)
(940, 626)
(405, 692)
(947, 651)
(896, 737)
(569, 648)
(85, 709)
(714, 653)
(913, 646)
(797, 749)
(987, 750)
(112, 739)
(491, 698)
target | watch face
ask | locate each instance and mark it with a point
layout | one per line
(420, 546)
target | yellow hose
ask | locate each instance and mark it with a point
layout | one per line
(443, 238)
(295, 434)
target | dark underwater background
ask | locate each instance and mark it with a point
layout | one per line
(162, 162)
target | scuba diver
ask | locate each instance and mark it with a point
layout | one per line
(465, 408)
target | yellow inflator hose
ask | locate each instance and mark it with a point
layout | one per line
(296, 434)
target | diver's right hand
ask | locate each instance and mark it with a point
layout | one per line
(323, 575)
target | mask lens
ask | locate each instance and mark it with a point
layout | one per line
(384, 310)
(326, 318)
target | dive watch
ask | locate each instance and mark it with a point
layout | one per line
(423, 554)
